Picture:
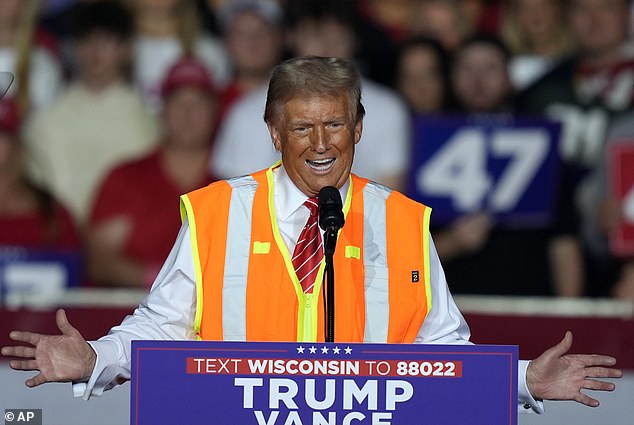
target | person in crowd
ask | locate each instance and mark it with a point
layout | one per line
(443, 20)
(380, 27)
(592, 85)
(30, 217)
(609, 214)
(480, 78)
(99, 120)
(585, 93)
(321, 28)
(422, 76)
(533, 32)
(315, 117)
(394, 16)
(166, 31)
(29, 54)
(253, 38)
(535, 260)
(135, 217)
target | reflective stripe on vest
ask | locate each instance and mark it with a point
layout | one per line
(234, 299)
(375, 269)
(375, 251)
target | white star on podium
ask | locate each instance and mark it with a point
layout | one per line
(300, 350)
(312, 350)
(324, 350)
(336, 350)
(348, 350)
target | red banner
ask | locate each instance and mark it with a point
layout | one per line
(622, 187)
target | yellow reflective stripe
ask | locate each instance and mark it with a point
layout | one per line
(278, 236)
(377, 290)
(261, 247)
(188, 212)
(309, 334)
(183, 210)
(301, 319)
(426, 247)
(307, 310)
(353, 252)
(346, 204)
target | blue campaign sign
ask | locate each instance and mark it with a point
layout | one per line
(25, 271)
(228, 383)
(503, 165)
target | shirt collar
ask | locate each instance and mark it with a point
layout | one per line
(288, 198)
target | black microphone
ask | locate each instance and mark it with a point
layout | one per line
(330, 220)
(330, 209)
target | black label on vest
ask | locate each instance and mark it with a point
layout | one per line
(414, 276)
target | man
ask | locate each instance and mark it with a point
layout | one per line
(540, 259)
(231, 276)
(133, 223)
(586, 93)
(320, 28)
(587, 89)
(98, 121)
(253, 38)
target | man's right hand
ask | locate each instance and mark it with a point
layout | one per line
(58, 358)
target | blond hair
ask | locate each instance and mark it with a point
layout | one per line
(518, 43)
(313, 76)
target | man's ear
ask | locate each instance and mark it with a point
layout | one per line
(358, 129)
(275, 136)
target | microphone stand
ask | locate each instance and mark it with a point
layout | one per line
(330, 241)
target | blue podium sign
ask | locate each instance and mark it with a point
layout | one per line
(502, 165)
(196, 382)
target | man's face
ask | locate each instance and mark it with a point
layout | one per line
(189, 117)
(254, 44)
(441, 21)
(420, 80)
(102, 58)
(599, 26)
(538, 19)
(316, 137)
(480, 78)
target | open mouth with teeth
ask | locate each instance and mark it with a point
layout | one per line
(320, 165)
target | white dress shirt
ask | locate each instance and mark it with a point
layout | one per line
(168, 311)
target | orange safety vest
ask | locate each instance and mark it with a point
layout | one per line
(246, 286)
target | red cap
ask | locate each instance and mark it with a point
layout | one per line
(9, 116)
(187, 72)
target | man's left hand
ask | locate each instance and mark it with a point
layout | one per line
(556, 375)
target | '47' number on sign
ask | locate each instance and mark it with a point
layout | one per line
(458, 170)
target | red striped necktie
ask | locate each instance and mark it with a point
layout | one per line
(309, 249)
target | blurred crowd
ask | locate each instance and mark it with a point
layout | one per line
(118, 107)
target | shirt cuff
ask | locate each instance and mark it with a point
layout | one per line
(104, 374)
(526, 401)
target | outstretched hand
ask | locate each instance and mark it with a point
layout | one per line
(556, 375)
(58, 358)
